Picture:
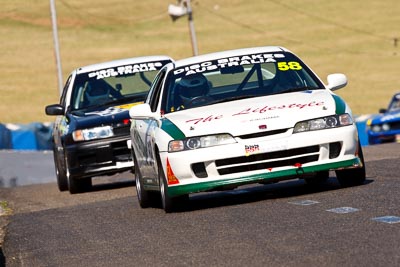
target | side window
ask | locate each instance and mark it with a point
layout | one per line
(64, 92)
(155, 90)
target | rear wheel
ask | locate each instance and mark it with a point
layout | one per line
(352, 177)
(144, 197)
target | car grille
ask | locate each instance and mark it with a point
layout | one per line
(395, 125)
(108, 155)
(121, 130)
(262, 134)
(268, 160)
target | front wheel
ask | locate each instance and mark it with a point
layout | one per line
(62, 180)
(169, 204)
(166, 201)
(318, 179)
(79, 185)
(352, 177)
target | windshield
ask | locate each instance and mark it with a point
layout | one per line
(395, 104)
(112, 86)
(235, 78)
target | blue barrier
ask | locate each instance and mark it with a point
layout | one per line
(33, 136)
(5, 137)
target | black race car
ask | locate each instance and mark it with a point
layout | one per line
(91, 130)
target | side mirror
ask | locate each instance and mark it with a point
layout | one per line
(54, 110)
(382, 110)
(143, 112)
(336, 81)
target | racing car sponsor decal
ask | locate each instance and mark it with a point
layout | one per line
(234, 61)
(106, 112)
(251, 149)
(206, 119)
(390, 117)
(128, 106)
(264, 118)
(127, 69)
(265, 147)
(268, 108)
(264, 109)
(113, 110)
(292, 65)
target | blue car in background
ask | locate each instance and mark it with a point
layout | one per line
(385, 127)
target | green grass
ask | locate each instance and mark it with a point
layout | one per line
(352, 37)
(4, 208)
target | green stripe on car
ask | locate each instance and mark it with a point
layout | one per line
(171, 129)
(340, 104)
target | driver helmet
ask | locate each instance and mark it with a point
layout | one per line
(97, 94)
(194, 85)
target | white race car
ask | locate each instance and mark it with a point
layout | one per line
(255, 115)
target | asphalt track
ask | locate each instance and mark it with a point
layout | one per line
(285, 224)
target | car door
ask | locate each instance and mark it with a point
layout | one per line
(145, 130)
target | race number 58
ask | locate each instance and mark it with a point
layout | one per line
(292, 65)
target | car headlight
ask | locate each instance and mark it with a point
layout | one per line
(323, 123)
(376, 128)
(379, 128)
(192, 143)
(93, 133)
(386, 127)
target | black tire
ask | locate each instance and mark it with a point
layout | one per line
(62, 180)
(144, 197)
(318, 179)
(79, 185)
(169, 204)
(353, 177)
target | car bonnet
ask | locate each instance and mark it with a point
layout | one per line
(103, 116)
(253, 115)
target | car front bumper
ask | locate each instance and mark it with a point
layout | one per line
(383, 137)
(282, 157)
(99, 157)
